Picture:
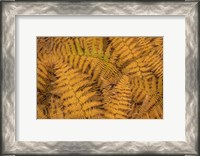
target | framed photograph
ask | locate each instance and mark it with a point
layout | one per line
(93, 77)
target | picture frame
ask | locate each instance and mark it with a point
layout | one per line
(12, 9)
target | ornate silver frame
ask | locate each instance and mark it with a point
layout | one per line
(10, 10)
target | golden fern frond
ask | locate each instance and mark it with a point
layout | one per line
(146, 93)
(75, 91)
(139, 88)
(133, 110)
(149, 102)
(42, 76)
(152, 106)
(144, 45)
(60, 44)
(95, 67)
(158, 46)
(41, 112)
(81, 46)
(118, 104)
(155, 63)
(95, 46)
(156, 112)
(137, 52)
(121, 51)
(45, 77)
(138, 68)
(126, 49)
(87, 55)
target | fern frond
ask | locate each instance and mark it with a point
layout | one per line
(76, 94)
(152, 108)
(129, 51)
(146, 94)
(155, 63)
(56, 108)
(41, 112)
(42, 76)
(118, 103)
(156, 112)
(88, 56)
(95, 67)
